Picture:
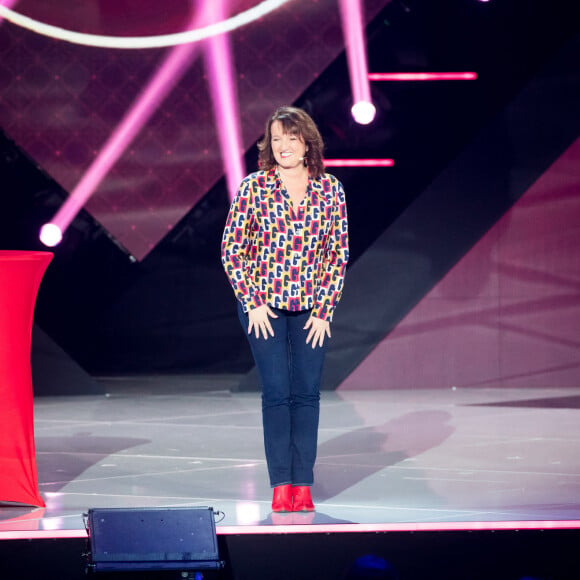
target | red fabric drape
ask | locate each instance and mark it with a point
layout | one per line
(20, 277)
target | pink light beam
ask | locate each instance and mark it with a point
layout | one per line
(163, 81)
(433, 76)
(363, 109)
(220, 72)
(359, 162)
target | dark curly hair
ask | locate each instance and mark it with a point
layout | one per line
(298, 122)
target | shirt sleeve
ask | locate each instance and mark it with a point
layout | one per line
(236, 248)
(334, 261)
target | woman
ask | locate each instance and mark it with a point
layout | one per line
(284, 250)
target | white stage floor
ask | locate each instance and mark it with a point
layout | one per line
(465, 456)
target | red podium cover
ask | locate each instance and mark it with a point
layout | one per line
(20, 277)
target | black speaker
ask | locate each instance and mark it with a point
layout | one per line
(174, 538)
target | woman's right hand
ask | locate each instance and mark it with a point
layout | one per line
(260, 321)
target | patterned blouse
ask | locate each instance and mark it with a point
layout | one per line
(289, 258)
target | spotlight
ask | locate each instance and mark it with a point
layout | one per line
(50, 235)
(363, 112)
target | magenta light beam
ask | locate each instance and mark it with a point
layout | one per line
(167, 75)
(220, 72)
(359, 162)
(433, 76)
(363, 109)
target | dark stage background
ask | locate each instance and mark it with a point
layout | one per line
(137, 287)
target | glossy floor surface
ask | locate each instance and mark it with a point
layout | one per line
(473, 455)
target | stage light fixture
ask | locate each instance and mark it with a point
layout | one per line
(50, 235)
(363, 110)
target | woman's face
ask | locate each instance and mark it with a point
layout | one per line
(288, 149)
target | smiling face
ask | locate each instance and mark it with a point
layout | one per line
(289, 148)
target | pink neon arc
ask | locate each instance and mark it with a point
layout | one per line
(170, 71)
(353, 30)
(7, 4)
(219, 63)
(359, 162)
(433, 76)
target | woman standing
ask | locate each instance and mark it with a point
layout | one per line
(285, 250)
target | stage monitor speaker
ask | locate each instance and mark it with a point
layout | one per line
(152, 539)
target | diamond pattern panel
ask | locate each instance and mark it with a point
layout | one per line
(60, 102)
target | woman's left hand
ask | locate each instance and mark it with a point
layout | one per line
(318, 329)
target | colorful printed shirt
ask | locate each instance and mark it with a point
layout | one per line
(289, 258)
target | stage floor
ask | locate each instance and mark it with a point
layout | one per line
(389, 459)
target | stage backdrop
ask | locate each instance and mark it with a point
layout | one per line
(61, 102)
(508, 314)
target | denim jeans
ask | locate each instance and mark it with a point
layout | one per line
(290, 371)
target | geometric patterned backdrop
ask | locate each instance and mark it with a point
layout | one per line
(507, 314)
(60, 102)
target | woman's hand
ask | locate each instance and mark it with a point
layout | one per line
(260, 321)
(318, 329)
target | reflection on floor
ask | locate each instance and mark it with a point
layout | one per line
(384, 457)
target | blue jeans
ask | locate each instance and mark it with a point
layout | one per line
(290, 371)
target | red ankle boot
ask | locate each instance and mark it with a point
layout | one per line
(282, 500)
(301, 499)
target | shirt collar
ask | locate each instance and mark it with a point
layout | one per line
(271, 182)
